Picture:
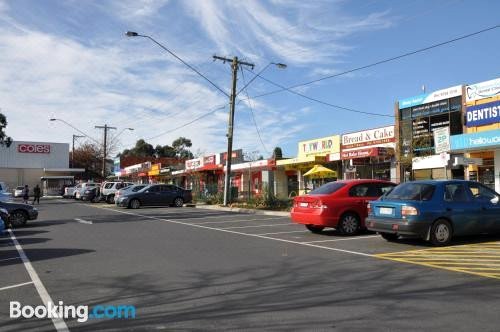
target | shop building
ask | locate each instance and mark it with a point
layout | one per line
(416, 119)
(369, 154)
(289, 175)
(481, 141)
(37, 163)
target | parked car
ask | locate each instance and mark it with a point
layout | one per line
(92, 194)
(19, 214)
(69, 192)
(108, 190)
(436, 211)
(133, 188)
(340, 204)
(4, 219)
(80, 188)
(18, 192)
(156, 195)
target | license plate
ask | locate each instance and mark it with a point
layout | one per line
(303, 204)
(385, 210)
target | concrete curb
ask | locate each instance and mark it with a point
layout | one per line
(242, 210)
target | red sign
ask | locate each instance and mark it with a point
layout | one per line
(209, 160)
(33, 148)
(363, 153)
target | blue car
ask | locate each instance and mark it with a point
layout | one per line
(435, 210)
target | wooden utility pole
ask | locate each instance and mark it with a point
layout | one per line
(235, 64)
(106, 128)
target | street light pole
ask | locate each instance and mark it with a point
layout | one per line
(106, 128)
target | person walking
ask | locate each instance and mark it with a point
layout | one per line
(36, 195)
(26, 194)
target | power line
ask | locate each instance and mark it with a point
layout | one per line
(187, 124)
(251, 111)
(320, 101)
(376, 63)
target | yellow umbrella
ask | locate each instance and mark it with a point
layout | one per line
(320, 172)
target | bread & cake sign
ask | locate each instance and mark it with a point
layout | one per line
(368, 137)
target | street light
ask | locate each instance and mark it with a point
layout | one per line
(78, 130)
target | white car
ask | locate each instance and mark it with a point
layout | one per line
(18, 192)
(108, 189)
(69, 192)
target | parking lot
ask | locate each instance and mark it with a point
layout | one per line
(198, 269)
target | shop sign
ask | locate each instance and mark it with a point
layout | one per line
(333, 156)
(368, 138)
(33, 148)
(362, 153)
(236, 156)
(428, 162)
(319, 146)
(209, 160)
(482, 90)
(467, 161)
(194, 163)
(483, 114)
(431, 97)
(442, 139)
(490, 138)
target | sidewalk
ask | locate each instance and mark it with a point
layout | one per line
(241, 210)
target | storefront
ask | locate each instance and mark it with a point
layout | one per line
(369, 154)
(289, 177)
(481, 143)
(416, 119)
(37, 163)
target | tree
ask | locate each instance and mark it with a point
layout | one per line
(277, 153)
(141, 149)
(89, 157)
(165, 151)
(4, 139)
(181, 146)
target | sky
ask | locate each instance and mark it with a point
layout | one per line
(71, 60)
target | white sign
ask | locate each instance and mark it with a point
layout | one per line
(427, 162)
(467, 161)
(482, 90)
(426, 98)
(442, 139)
(371, 137)
(194, 163)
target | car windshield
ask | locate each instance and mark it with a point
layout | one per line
(327, 188)
(109, 185)
(412, 192)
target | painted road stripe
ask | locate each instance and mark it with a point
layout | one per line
(247, 234)
(346, 239)
(283, 232)
(59, 323)
(228, 221)
(15, 286)
(82, 221)
(236, 227)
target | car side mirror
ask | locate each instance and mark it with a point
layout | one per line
(494, 200)
(147, 191)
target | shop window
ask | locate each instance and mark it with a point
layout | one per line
(456, 127)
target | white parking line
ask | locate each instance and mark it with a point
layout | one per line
(17, 285)
(8, 259)
(59, 323)
(228, 221)
(235, 227)
(251, 235)
(346, 239)
(283, 232)
(82, 221)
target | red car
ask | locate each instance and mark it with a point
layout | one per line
(340, 204)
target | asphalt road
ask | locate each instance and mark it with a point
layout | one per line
(191, 269)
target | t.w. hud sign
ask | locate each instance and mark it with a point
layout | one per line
(371, 137)
(33, 148)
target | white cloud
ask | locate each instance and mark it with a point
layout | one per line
(137, 9)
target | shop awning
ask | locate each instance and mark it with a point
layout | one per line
(364, 153)
(320, 172)
(210, 167)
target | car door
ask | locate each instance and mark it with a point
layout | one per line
(151, 196)
(460, 208)
(489, 206)
(168, 193)
(358, 198)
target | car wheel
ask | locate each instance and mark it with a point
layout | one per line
(110, 199)
(348, 224)
(389, 236)
(18, 218)
(315, 229)
(135, 204)
(178, 202)
(441, 233)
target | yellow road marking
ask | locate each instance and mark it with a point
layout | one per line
(477, 259)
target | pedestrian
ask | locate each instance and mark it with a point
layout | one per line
(26, 194)
(36, 195)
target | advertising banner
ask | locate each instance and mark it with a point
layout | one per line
(368, 138)
(482, 90)
(194, 163)
(431, 97)
(319, 146)
(483, 114)
(490, 138)
(363, 153)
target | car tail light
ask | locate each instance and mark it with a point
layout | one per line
(408, 211)
(317, 204)
(369, 208)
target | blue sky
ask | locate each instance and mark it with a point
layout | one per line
(71, 60)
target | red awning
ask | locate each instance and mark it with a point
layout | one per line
(210, 167)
